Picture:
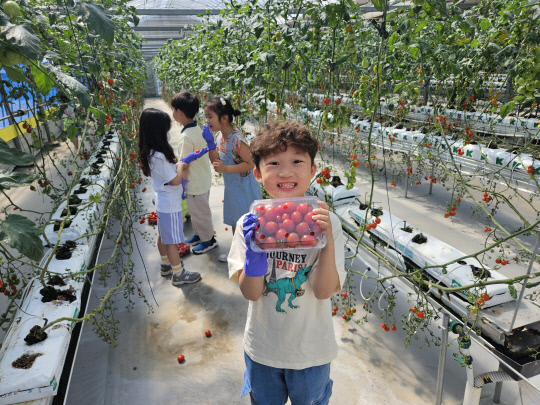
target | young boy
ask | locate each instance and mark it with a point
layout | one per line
(185, 106)
(288, 343)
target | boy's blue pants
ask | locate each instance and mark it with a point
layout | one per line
(271, 386)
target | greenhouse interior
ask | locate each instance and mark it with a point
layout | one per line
(374, 164)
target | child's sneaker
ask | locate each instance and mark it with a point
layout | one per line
(193, 241)
(166, 269)
(224, 257)
(204, 247)
(185, 277)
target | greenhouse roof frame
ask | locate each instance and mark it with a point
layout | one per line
(155, 17)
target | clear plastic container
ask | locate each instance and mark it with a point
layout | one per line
(286, 224)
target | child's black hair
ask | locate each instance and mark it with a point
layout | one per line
(222, 107)
(278, 136)
(186, 102)
(153, 127)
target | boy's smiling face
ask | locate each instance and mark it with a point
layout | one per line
(286, 174)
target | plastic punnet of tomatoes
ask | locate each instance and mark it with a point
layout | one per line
(286, 224)
(152, 218)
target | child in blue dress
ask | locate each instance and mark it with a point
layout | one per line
(233, 159)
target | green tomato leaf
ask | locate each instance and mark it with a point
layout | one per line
(74, 86)
(484, 24)
(507, 108)
(393, 38)
(22, 39)
(413, 50)
(12, 156)
(97, 19)
(420, 26)
(342, 59)
(399, 86)
(43, 82)
(378, 4)
(16, 75)
(512, 290)
(474, 43)
(8, 180)
(22, 234)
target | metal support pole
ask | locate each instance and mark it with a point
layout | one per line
(407, 177)
(431, 179)
(522, 292)
(498, 389)
(442, 358)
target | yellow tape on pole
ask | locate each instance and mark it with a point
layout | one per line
(10, 132)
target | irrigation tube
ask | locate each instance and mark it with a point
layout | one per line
(474, 391)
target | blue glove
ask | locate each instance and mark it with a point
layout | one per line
(255, 264)
(209, 138)
(184, 183)
(194, 156)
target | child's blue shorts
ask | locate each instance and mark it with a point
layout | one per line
(170, 227)
(271, 386)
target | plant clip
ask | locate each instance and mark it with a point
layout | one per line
(332, 66)
(46, 321)
(381, 28)
(286, 66)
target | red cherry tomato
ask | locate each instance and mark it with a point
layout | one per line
(280, 235)
(377, 220)
(344, 295)
(260, 209)
(285, 216)
(181, 358)
(316, 230)
(303, 209)
(485, 297)
(271, 228)
(289, 207)
(208, 333)
(293, 239)
(309, 218)
(303, 229)
(270, 214)
(259, 236)
(393, 328)
(420, 314)
(262, 221)
(280, 210)
(269, 243)
(308, 240)
(297, 217)
(289, 225)
(336, 309)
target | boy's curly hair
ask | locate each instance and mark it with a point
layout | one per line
(278, 136)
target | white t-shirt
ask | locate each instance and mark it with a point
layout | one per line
(168, 198)
(299, 337)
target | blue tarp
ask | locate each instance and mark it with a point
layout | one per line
(19, 104)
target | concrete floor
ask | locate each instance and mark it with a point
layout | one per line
(372, 366)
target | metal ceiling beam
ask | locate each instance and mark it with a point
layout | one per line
(154, 28)
(177, 11)
(161, 39)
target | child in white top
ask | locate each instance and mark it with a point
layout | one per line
(157, 160)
